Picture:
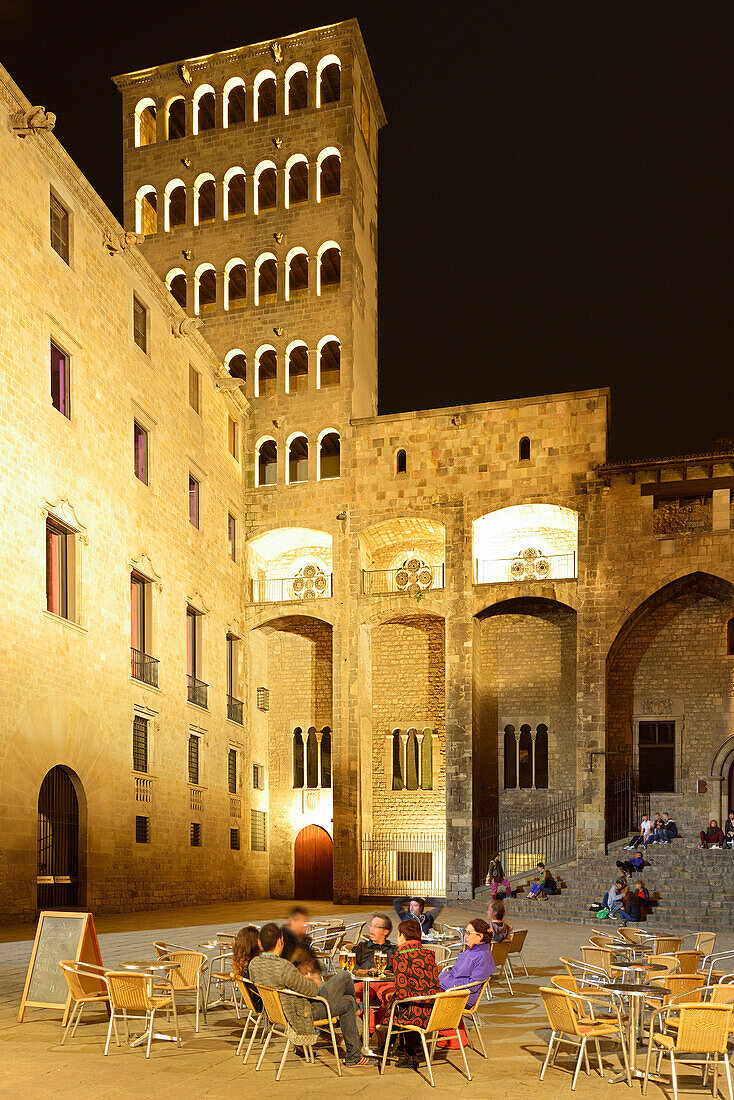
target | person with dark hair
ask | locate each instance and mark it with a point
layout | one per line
(499, 926)
(729, 829)
(713, 837)
(475, 963)
(380, 928)
(416, 975)
(272, 970)
(667, 830)
(496, 877)
(631, 909)
(415, 909)
(633, 865)
(246, 947)
(297, 943)
(612, 899)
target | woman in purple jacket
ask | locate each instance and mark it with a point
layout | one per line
(474, 964)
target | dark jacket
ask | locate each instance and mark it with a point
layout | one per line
(729, 827)
(669, 826)
(400, 905)
(365, 953)
(632, 906)
(298, 950)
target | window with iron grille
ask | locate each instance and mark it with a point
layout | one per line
(140, 324)
(193, 759)
(195, 834)
(263, 699)
(142, 830)
(234, 839)
(258, 777)
(60, 228)
(232, 771)
(140, 744)
(257, 830)
(414, 866)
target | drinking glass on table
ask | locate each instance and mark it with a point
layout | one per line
(380, 960)
(351, 960)
(343, 958)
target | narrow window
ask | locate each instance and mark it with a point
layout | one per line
(298, 460)
(258, 777)
(541, 757)
(326, 757)
(657, 756)
(232, 536)
(267, 373)
(265, 98)
(206, 291)
(140, 448)
(364, 120)
(236, 286)
(60, 380)
(510, 759)
(267, 282)
(267, 189)
(204, 108)
(176, 118)
(234, 839)
(427, 761)
(206, 200)
(398, 783)
(234, 705)
(411, 762)
(177, 288)
(525, 449)
(193, 759)
(193, 501)
(233, 438)
(195, 834)
(237, 196)
(232, 771)
(329, 364)
(525, 759)
(145, 123)
(298, 758)
(176, 198)
(730, 638)
(198, 691)
(142, 830)
(140, 744)
(298, 183)
(234, 103)
(329, 456)
(59, 228)
(330, 84)
(258, 830)
(297, 276)
(330, 270)
(402, 462)
(297, 91)
(140, 324)
(237, 366)
(267, 462)
(57, 569)
(312, 759)
(137, 615)
(194, 389)
(298, 368)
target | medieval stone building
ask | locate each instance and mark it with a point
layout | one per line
(254, 627)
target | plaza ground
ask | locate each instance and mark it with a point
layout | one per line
(34, 1064)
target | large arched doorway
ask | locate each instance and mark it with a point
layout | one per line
(314, 864)
(58, 841)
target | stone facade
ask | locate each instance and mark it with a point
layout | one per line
(451, 572)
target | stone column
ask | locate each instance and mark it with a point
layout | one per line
(721, 509)
(313, 356)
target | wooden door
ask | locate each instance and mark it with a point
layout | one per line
(314, 864)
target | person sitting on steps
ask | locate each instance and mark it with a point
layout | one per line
(633, 865)
(667, 830)
(641, 837)
(546, 888)
(729, 830)
(631, 909)
(713, 837)
(612, 900)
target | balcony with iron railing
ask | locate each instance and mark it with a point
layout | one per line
(528, 566)
(292, 589)
(198, 692)
(144, 667)
(402, 581)
(234, 709)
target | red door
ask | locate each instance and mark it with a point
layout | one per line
(314, 864)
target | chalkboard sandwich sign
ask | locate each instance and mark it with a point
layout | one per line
(58, 936)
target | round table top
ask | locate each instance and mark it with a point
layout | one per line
(640, 990)
(640, 966)
(211, 944)
(152, 964)
(383, 976)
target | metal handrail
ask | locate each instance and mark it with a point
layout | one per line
(234, 709)
(396, 581)
(281, 589)
(517, 571)
(198, 691)
(144, 667)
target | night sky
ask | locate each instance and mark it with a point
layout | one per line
(556, 200)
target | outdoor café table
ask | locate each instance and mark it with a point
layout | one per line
(223, 947)
(149, 968)
(367, 980)
(636, 993)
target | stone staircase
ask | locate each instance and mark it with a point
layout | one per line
(690, 889)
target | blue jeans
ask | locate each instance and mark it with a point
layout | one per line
(624, 915)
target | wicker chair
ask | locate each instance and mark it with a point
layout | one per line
(220, 972)
(602, 958)
(678, 984)
(327, 947)
(470, 1014)
(87, 986)
(446, 1014)
(579, 989)
(277, 1026)
(572, 1020)
(130, 997)
(671, 962)
(517, 943)
(667, 945)
(254, 1015)
(500, 952)
(703, 1029)
(590, 975)
(189, 975)
(632, 935)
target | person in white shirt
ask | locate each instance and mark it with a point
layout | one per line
(644, 833)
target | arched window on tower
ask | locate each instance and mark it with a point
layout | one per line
(525, 758)
(236, 363)
(427, 761)
(296, 88)
(174, 209)
(266, 279)
(412, 765)
(297, 459)
(146, 210)
(329, 269)
(329, 455)
(328, 362)
(296, 274)
(145, 123)
(298, 758)
(175, 118)
(296, 180)
(263, 90)
(266, 186)
(235, 284)
(524, 450)
(267, 462)
(329, 174)
(541, 757)
(326, 757)
(510, 759)
(398, 783)
(296, 367)
(312, 759)
(328, 80)
(266, 371)
(205, 289)
(204, 109)
(233, 106)
(205, 201)
(234, 195)
(176, 283)
(401, 462)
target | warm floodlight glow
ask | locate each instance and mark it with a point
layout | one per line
(526, 542)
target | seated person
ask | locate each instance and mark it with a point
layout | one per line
(729, 830)
(612, 900)
(475, 964)
(246, 947)
(641, 837)
(667, 829)
(499, 926)
(644, 895)
(271, 969)
(297, 943)
(633, 865)
(713, 837)
(416, 975)
(416, 910)
(657, 823)
(548, 886)
(535, 888)
(630, 910)
(379, 929)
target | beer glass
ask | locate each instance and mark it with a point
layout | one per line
(380, 960)
(351, 960)
(344, 958)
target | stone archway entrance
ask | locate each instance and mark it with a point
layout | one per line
(314, 864)
(58, 841)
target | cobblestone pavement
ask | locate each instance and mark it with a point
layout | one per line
(34, 1065)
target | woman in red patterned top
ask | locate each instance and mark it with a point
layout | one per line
(416, 975)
